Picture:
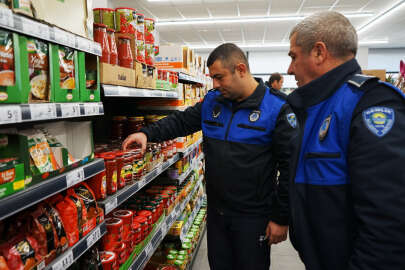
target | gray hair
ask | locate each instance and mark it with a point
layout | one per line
(330, 27)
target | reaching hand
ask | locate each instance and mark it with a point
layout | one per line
(138, 138)
(276, 233)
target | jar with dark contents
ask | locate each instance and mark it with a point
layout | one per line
(136, 232)
(165, 152)
(111, 173)
(137, 164)
(144, 226)
(135, 124)
(118, 127)
(152, 209)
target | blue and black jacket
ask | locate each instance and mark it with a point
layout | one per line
(347, 194)
(245, 144)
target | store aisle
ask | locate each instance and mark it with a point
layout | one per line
(283, 257)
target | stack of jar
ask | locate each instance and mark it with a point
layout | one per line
(137, 28)
(113, 239)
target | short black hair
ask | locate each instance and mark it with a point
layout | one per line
(274, 77)
(228, 54)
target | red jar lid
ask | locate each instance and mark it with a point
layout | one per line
(124, 37)
(100, 25)
(144, 213)
(110, 30)
(108, 156)
(124, 8)
(109, 9)
(113, 221)
(149, 19)
(136, 225)
(140, 14)
(119, 153)
(140, 219)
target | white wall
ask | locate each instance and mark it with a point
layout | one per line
(387, 59)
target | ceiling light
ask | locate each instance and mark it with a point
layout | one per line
(246, 19)
(380, 16)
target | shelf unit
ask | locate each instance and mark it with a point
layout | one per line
(125, 91)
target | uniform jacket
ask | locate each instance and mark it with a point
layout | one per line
(244, 145)
(347, 194)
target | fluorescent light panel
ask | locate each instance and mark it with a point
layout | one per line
(247, 19)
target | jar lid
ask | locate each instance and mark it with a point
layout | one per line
(170, 257)
(100, 25)
(110, 30)
(149, 19)
(140, 14)
(135, 225)
(173, 252)
(119, 153)
(108, 156)
(124, 37)
(144, 213)
(124, 8)
(140, 219)
(178, 263)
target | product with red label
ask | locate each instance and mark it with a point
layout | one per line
(149, 31)
(125, 58)
(100, 36)
(144, 226)
(70, 210)
(140, 26)
(98, 184)
(3, 264)
(126, 217)
(140, 50)
(136, 232)
(111, 173)
(114, 237)
(60, 230)
(21, 252)
(149, 54)
(113, 47)
(108, 260)
(125, 20)
(122, 254)
(7, 75)
(119, 158)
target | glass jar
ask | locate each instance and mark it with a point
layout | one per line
(136, 232)
(119, 158)
(117, 127)
(113, 47)
(135, 124)
(144, 226)
(125, 58)
(149, 217)
(152, 210)
(128, 168)
(111, 173)
(100, 36)
(137, 165)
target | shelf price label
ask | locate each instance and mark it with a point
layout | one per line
(93, 237)
(123, 91)
(74, 177)
(64, 262)
(70, 110)
(91, 109)
(43, 111)
(10, 114)
(149, 249)
(111, 205)
(6, 17)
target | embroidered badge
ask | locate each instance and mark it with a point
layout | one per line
(292, 120)
(323, 131)
(379, 120)
(254, 116)
(216, 111)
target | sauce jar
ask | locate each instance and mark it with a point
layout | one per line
(135, 124)
(113, 238)
(138, 165)
(113, 46)
(136, 232)
(111, 173)
(127, 168)
(144, 226)
(98, 184)
(126, 217)
(148, 215)
(100, 36)
(118, 126)
(119, 159)
(125, 58)
(151, 208)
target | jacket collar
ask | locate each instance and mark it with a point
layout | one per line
(323, 87)
(253, 101)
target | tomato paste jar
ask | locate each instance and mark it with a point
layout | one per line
(104, 16)
(98, 184)
(114, 236)
(140, 26)
(108, 260)
(119, 158)
(135, 124)
(111, 173)
(140, 50)
(149, 55)
(127, 168)
(153, 213)
(144, 226)
(113, 46)
(149, 32)
(137, 165)
(125, 19)
(136, 232)
(126, 217)
(100, 36)
(125, 58)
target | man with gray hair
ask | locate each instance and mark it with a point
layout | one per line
(347, 191)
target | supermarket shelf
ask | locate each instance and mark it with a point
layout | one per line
(30, 27)
(194, 255)
(190, 220)
(121, 196)
(163, 108)
(124, 91)
(72, 254)
(160, 233)
(189, 149)
(32, 195)
(21, 113)
(185, 78)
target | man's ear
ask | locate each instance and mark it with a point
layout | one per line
(319, 52)
(241, 68)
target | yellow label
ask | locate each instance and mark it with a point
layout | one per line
(18, 185)
(114, 177)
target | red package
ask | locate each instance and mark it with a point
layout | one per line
(53, 214)
(21, 252)
(70, 212)
(82, 210)
(98, 184)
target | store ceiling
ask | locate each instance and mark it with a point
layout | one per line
(384, 30)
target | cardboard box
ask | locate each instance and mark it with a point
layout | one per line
(116, 75)
(172, 57)
(151, 76)
(73, 15)
(22, 7)
(89, 64)
(15, 93)
(12, 175)
(141, 74)
(64, 90)
(380, 73)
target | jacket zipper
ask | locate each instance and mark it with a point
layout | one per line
(229, 125)
(321, 155)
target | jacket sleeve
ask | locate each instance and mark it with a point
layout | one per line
(177, 124)
(283, 132)
(377, 182)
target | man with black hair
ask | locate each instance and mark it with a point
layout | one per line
(247, 128)
(276, 81)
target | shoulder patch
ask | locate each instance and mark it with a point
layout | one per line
(359, 79)
(292, 120)
(379, 120)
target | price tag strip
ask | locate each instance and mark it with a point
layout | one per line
(70, 110)
(74, 177)
(10, 114)
(66, 261)
(111, 205)
(43, 111)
